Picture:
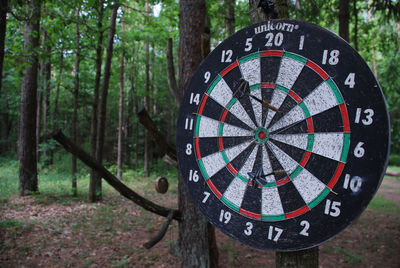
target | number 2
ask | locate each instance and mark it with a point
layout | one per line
(306, 226)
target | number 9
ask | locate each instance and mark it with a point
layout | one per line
(207, 76)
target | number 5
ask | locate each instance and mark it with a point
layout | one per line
(248, 44)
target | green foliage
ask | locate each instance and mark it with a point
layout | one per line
(394, 160)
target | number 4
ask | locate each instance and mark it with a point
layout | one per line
(350, 80)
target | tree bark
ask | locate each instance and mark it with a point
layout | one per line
(3, 27)
(60, 71)
(196, 239)
(256, 13)
(121, 104)
(103, 102)
(230, 16)
(344, 17)
(373, 41)
(95, 182)
(282, 8)
(355, 31)
(76, 94)
(46, 90)
(129, 118)
(147, 98)
(298, 259)
(27, 118)
(172, 85)
(3, 104)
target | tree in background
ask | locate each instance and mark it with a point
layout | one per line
(28, 181)
(196, 236)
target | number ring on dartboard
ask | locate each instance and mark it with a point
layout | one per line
(312, 192)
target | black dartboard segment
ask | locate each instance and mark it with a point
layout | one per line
(292, 158)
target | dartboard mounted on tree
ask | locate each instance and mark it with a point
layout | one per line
(283, 135)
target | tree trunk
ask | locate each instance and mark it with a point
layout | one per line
(46, 90)
(3, 104)
(172, 85)
(121, 104)
(60, 71)
(355, 33)
(282, 8)
(76, 93)
(147, 98)
(344, 17)
(103, 102)
(27, 118)
(5, 124)
(372, 41)
(128, 122)
(256, 13)
(196, 239)
(137, 130)
(3, 27)
(230, 16)
(95, 182)
(298, 259)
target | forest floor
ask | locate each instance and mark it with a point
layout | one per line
(60, 231)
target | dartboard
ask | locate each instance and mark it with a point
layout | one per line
(283, 135)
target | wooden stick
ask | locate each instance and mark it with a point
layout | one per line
(161, 233)
(111, 179)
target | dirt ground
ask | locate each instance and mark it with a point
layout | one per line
(53, 232)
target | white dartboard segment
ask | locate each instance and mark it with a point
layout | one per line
(329, 145)
(296, 140)
(213, 163)
(277, 98)
(288, 164)
(271, 202)
(238, 111)
(248, 165)
(221, 93)
(251, 71)
(208, 127)
(234, 131)
(320, 99)
(288, 72)
(308, 185)
(293, 116)
(234, 151)
(235, 191)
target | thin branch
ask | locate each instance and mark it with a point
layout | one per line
(111, 179)
(161, 233)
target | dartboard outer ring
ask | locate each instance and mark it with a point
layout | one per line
(292, 176)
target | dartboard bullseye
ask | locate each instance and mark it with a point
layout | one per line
(283, 135)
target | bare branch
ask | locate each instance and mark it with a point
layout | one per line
(161, 233)
(111, 179)
(159, 138)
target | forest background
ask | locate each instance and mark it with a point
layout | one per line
(74, 82)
